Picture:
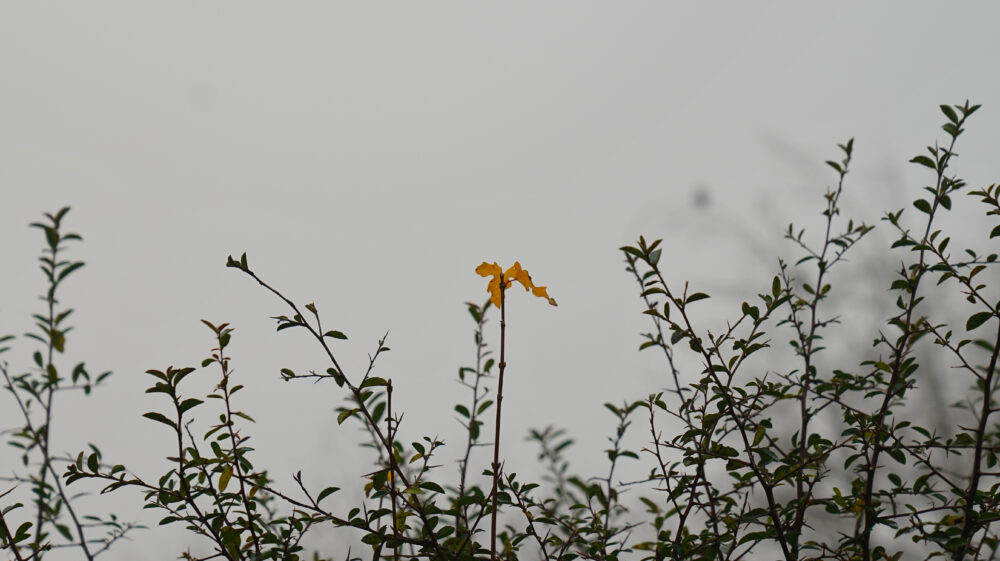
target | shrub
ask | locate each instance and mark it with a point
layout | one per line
(769, 461)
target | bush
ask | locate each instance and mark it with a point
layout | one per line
(764, 461)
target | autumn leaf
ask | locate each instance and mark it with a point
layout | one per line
(227, 474)
(501, 280)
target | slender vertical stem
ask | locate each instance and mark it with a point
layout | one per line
(392, 470)
(496, 438)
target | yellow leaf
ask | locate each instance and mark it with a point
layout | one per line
(541, 292)
(501, 280)
(486, 269)
(494, 288)
(227, 474)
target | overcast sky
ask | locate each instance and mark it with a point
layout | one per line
(368, 156)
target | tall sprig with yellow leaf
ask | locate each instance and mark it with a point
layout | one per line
(500, 281)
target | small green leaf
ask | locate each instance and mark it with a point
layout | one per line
(244, 416)
(337, 377)
(695, 297)
(924, 161)
(431, 486)
(22, 532)
(995, 232)
(326, 493)
(950, 113)
(159, 417)
(922, 205)
(69, 269)
(344, 415)
(188, 404)
(374, 381)
(977, 319)
(335, 334)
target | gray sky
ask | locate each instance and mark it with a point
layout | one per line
(368, 156)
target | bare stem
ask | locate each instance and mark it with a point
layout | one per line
(496, 438)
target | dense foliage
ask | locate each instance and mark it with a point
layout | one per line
(806, 462)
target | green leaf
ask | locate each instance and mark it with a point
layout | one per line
(924, 161)
(977, 319)
(374, 381)
(922, 205)
(631, 250)
(484, 406)
(695, 297)
(244, 416)
(326, 493)
(22, 532)
(337, 376)
(335, 334)
(188, 404)
(654, 256)
(950, 113)
(431, 486)
(995, 232)
(93, 462)
(159, 417)
(344, 415)
(69, 269)
(51, 236)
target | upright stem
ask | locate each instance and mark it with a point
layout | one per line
(392, 470)
(496, 438)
